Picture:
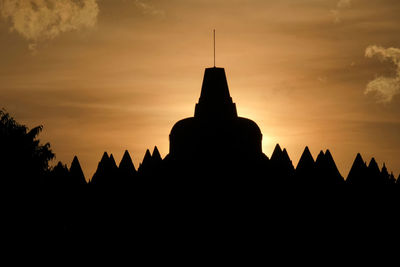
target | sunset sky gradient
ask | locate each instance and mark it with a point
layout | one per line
(110, 75)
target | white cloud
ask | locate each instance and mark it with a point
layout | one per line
(38, 20)
(385, 88)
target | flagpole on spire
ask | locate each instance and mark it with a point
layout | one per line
(214, 47)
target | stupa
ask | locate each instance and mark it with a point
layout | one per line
(216, 135)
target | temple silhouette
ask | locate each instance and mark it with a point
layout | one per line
(218, 145)
(216, 138)
(214, 146)
(215, 157)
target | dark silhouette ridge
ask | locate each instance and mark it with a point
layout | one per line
(373, 176)
(127, 163)
(259, 184)
(156, 156)
(392, 180)
(276, 171)
(358, 171)
(215, 145)
(280, 165)
(326, 170)
(385, 177)
(143, 206)
(332, 168)
(103, 172)
(158, 167)
(75, 172)
(276, 154)
(104, 159)
(59, 176)
(286, 158)
(320, 157)
(114, 170)
(305, 170)
(320, 166)
(127, 170)
(112, 162)
(146, 165)
(398, 180)
(151, 165)
(287, 163)
(146, 159)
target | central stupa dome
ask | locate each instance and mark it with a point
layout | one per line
(215, 134)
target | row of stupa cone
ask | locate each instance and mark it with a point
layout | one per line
(217, 145)
(278, 169)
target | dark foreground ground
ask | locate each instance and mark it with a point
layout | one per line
(198, 210)
(188, 223)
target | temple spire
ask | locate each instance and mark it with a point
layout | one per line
(215, 100)
(214, 47)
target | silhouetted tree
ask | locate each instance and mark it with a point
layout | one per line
(23, 160)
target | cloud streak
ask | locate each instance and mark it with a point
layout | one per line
(385, 88)
(336, 13)
(39, 20)
(344, 3)
(148, 8)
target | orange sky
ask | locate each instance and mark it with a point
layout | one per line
(110, 75)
